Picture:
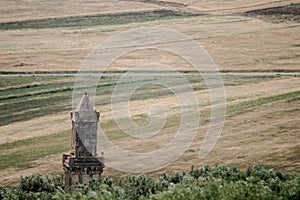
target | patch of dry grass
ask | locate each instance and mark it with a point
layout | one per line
(38, 9)
(263, 130)
(235, 43)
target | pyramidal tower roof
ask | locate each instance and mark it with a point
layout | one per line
(85, 111)
(84, 104)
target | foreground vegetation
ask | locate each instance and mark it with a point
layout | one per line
(202, 183)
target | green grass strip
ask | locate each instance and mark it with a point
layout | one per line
(27, 150)
(241, 107)
(96, 20)
(116, 133)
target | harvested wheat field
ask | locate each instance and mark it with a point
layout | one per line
(254, 44)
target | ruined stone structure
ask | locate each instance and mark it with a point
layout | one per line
(82, 164)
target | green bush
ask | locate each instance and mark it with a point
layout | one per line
(202, 183)
(39, 183)
(7, 194)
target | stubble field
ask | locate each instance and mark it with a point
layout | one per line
(262, 119)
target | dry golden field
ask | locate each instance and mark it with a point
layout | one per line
(235, 42)
(262, 120)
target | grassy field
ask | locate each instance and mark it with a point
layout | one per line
(262, 112)
(29, 9)
(61, 43)
(28, 136)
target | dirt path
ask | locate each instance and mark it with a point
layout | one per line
(219, 7)
(249, 74)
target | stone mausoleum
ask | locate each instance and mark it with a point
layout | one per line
(82, 164)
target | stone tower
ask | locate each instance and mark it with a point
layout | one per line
(82, 164)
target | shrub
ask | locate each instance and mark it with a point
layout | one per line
(202, 183)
